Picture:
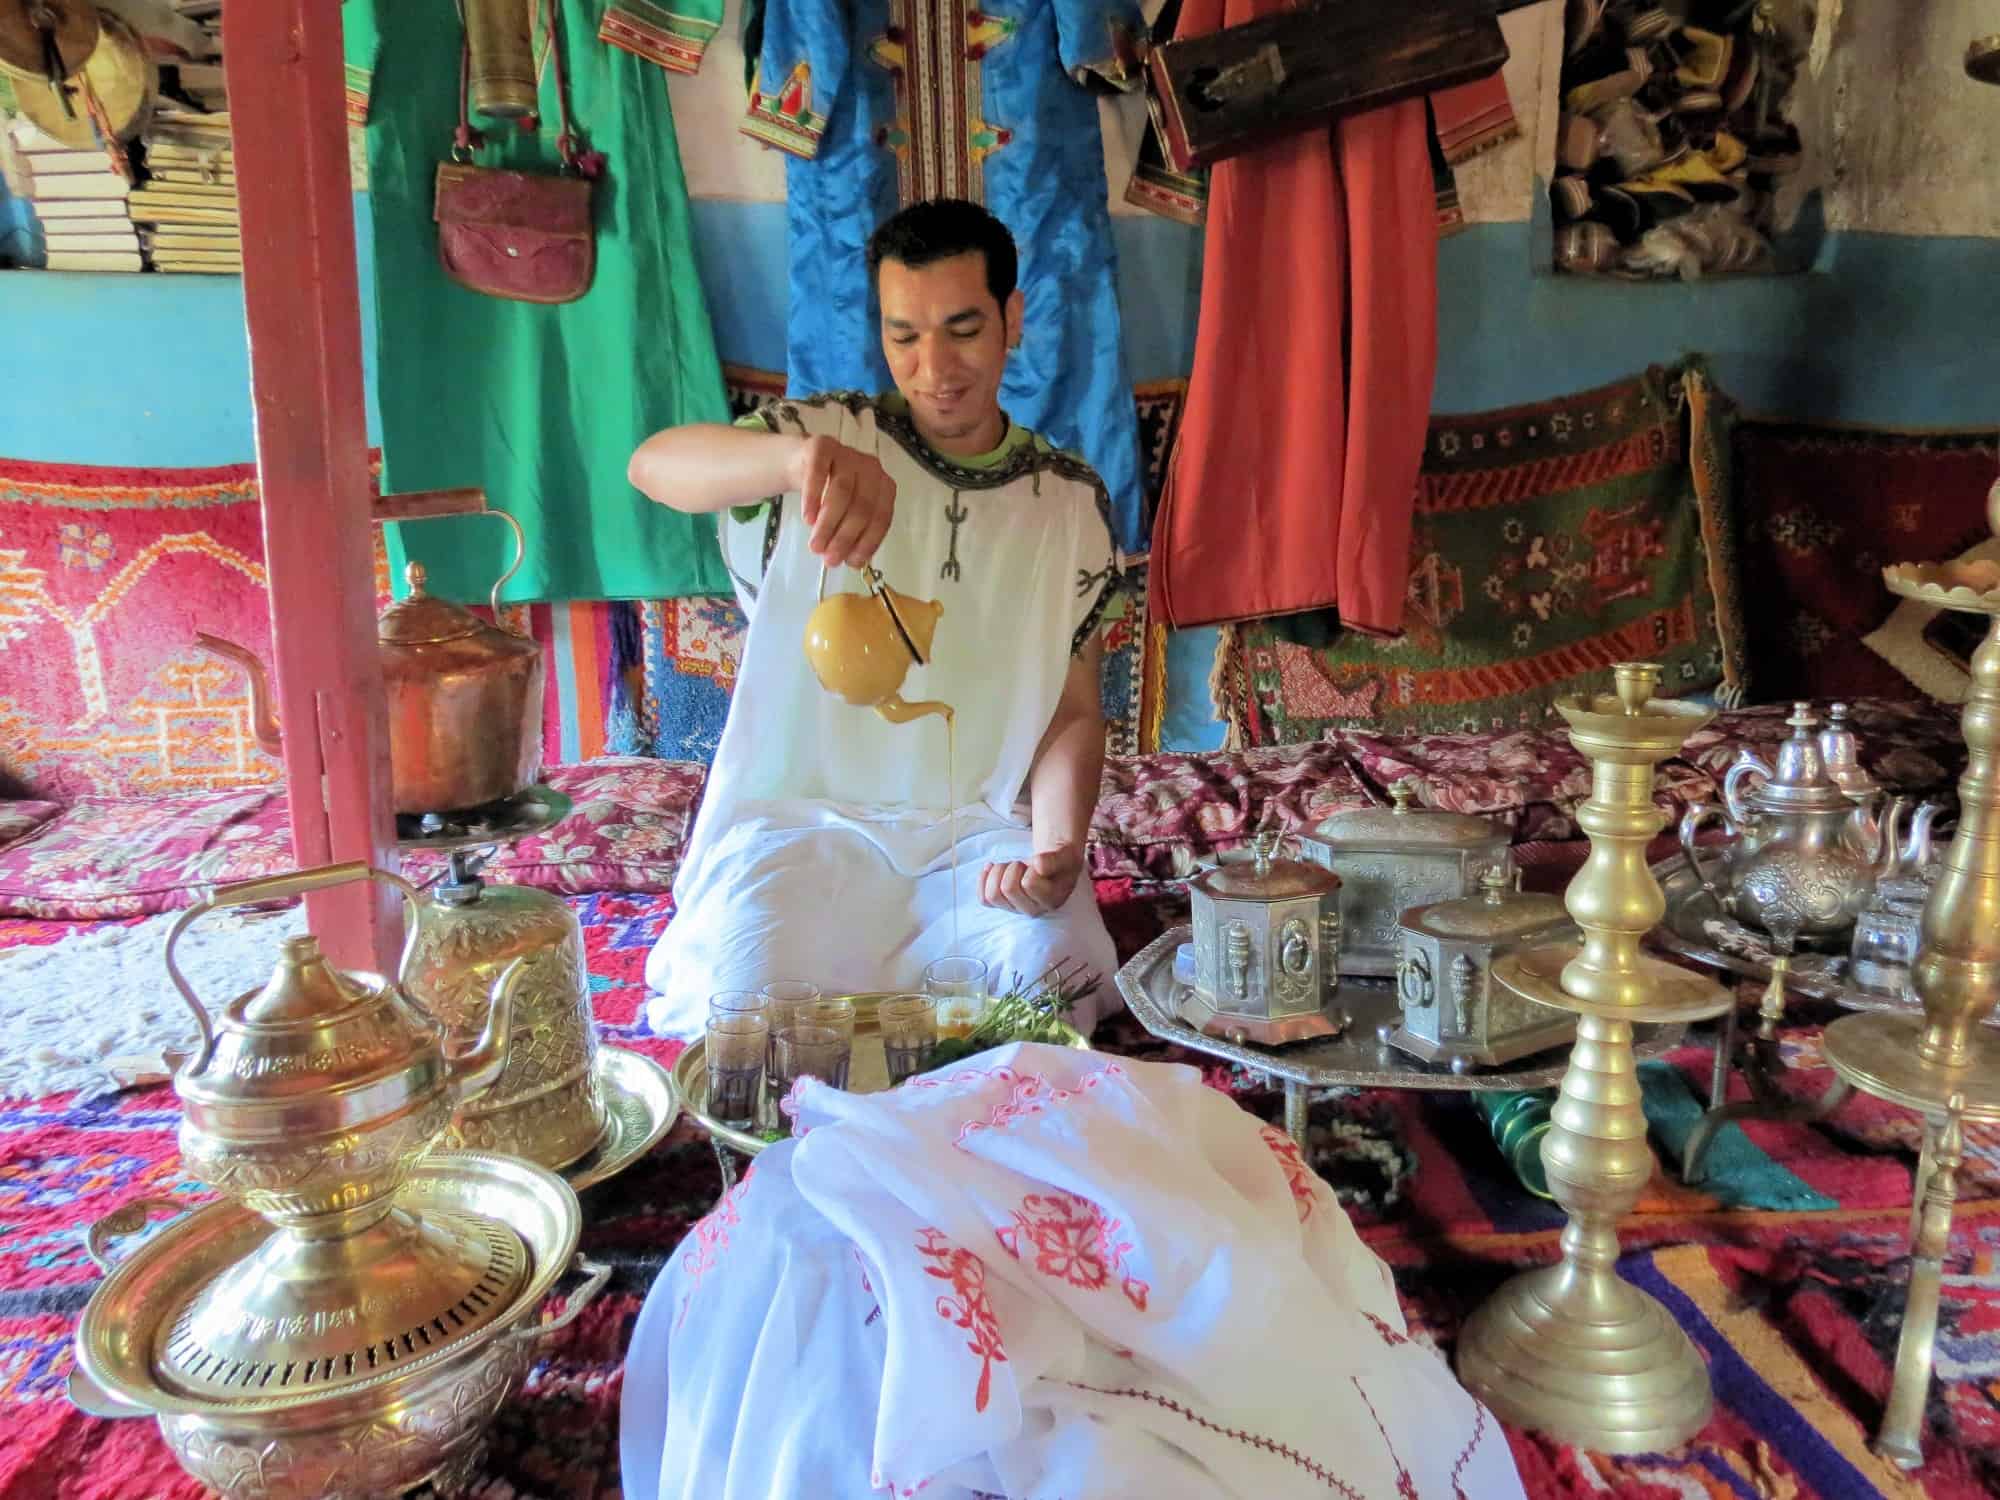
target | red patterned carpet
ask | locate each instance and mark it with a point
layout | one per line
(1796, 1312)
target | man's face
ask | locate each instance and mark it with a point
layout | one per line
(946, 341)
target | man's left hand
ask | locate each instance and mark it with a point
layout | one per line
(1033, 887)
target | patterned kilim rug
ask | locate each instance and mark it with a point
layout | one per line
(1550, 541)
(1797, 1313)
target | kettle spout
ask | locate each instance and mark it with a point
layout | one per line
(478, 1067)
(263, 722)
(896, 711)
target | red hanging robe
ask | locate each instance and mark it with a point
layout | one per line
(1296, 468)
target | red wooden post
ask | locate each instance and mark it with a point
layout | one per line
(287, 105)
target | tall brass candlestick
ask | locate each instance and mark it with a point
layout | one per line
(1944, 1064)
(1573, 1349)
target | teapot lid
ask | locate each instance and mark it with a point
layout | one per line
(1404, 826)
(1498, 912)
(1801, 782)
(1263, 877)
(1842, 754)
(420, 617)
(309, 1029)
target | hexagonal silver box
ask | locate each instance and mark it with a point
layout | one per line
(1452, 1010)
(1391, 859)
(1266, 948)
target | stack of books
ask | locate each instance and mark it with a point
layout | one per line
(81, 202)
(188, 207)
(188, 203)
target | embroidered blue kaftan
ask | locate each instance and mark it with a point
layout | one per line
(888, 102)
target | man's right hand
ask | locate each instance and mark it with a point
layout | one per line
(848, 497)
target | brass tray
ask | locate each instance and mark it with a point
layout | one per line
(867, 1073)
(640, 1106)
(1359, 1057)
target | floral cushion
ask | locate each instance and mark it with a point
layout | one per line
(106, 857)
(1159, 815)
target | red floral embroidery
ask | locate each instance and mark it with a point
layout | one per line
(1032, 1093)
(1074, 1241)
(1298, 1176)
(970, 1308)
(711, 1238)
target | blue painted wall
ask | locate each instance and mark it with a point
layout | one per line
(1883, 330)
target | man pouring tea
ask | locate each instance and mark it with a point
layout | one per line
(834, 842)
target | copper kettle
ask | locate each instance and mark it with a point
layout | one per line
(862, 646)
(464, 696)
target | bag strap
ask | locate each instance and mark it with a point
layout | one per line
(570, 145)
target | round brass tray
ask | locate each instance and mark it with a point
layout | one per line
(640, 1106)
(117, 1335)
(421, 1418)
(1878, 1055)
(867, 1073)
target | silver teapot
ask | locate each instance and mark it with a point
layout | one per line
(1804, 857)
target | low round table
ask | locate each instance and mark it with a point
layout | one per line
(1357, 1058)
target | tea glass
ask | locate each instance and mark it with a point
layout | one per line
(908, 1024)
(788, 999)
(833, 1012)
(809, 1051)
(958, 985)
(736, 1045)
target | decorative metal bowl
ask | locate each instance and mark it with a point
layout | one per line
(419, 1413)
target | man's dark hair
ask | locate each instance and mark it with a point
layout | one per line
(940, 228)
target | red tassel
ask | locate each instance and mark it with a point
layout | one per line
(528, 124)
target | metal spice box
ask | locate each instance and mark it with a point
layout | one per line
(1452, 1012)
(1266, 948)
(1392, 859)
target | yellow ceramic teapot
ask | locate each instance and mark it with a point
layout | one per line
(862, 646)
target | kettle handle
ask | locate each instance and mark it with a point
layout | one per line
(1690, 824)
(277, 888)
(1747, 764)
(520, 547)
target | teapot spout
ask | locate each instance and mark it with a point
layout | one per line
(263, 722)
(478, 1067)
(1916, 849)
(1875, 833)
(896, 711)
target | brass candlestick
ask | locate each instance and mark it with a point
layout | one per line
(1944, 1064)
(1573, 1349)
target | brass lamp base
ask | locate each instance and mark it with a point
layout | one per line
(1587, 1359)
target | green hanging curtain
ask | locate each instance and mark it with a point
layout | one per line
(542, 405)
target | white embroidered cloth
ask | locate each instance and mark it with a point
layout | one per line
(1050, 1275)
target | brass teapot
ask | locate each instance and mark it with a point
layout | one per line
(464, 698)
(312, 1097)
(1804, 858)
(862, 646)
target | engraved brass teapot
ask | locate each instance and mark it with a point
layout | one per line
(1804, 859)
(862, 646)
(311, 1098)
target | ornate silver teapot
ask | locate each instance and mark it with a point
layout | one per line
(1805, 856)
